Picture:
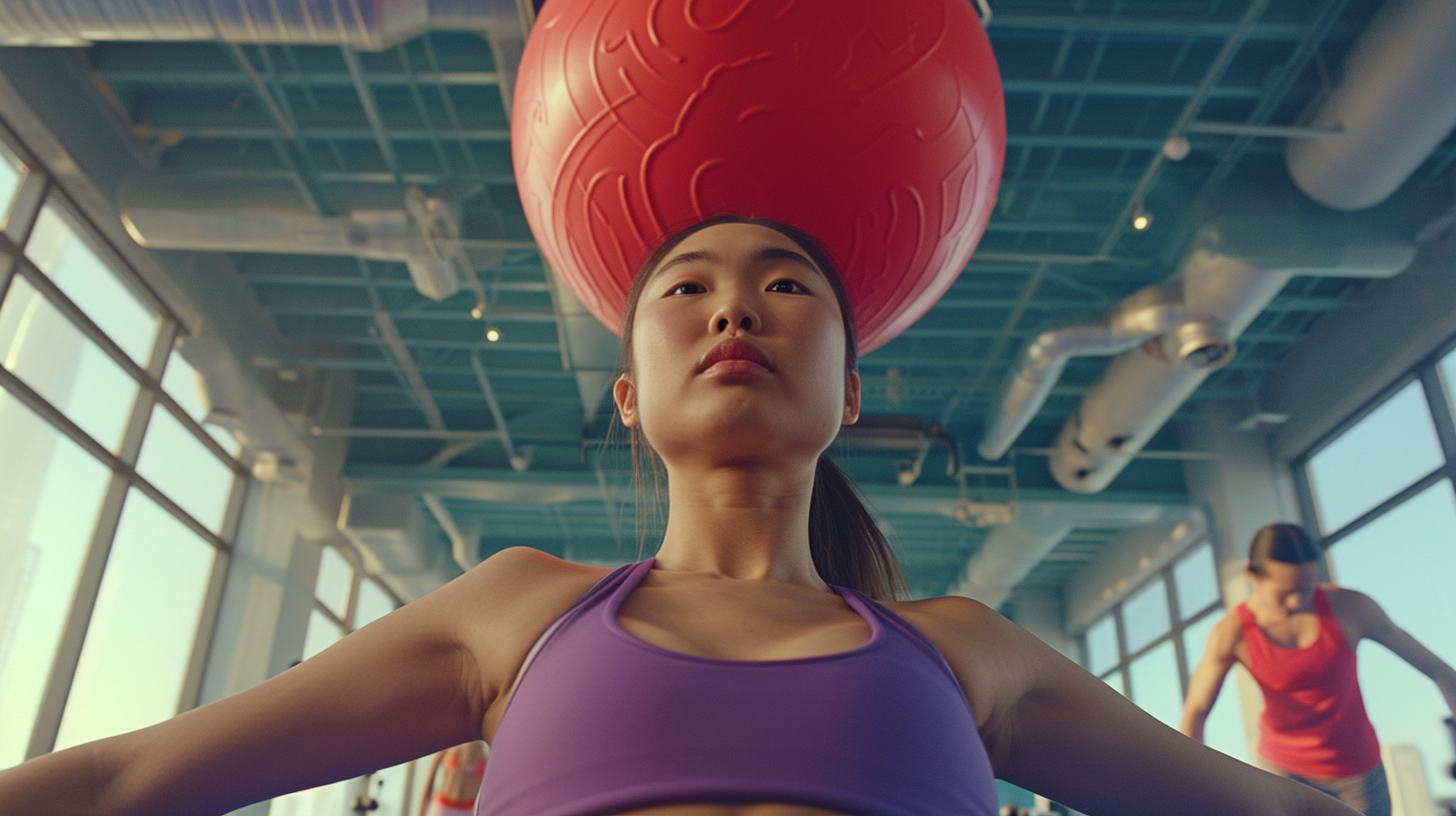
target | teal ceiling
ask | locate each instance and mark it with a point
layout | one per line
(1093, 89)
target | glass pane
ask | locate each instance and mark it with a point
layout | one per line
(50, 490)
(1102, 645)
(374, 603)
(1145, 616)
(183, 468)
(1196, 578)
(1384, 452)
(1224, 727)
(39, 345)
(1406, 561)
(322, 633)
(57, 251)
(182, 384)
(334, 577)
(1155, 686)
(1115, 680)
(141, 634)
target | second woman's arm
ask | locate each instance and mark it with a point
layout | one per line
(1052, 728)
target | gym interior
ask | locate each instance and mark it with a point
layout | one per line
(280, 353)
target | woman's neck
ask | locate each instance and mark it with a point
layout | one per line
(747, 523)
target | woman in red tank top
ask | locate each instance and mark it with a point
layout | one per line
(1297, 638)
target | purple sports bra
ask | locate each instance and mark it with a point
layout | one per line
(603, 722)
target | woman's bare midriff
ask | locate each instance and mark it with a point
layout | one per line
(699, 809)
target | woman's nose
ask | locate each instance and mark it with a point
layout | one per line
(734, 316)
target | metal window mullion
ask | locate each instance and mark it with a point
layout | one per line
(25, 204)
(331, 615)
(212, 601)
(1175, 615)
(93, 566)
(1123, 661)
(1440, 406)
(351, 605)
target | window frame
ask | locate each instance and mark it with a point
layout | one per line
(1439, 396)
(1177, 623)
(37, 189)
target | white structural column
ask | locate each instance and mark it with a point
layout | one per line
(1244, 488)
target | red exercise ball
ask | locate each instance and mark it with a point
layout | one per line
(877, 126)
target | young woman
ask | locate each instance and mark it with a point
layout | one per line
(1297, 637)
(743, 671)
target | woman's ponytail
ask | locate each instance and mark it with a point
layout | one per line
(847, 545)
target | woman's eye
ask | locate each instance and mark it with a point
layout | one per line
(788, 286)
(687, 289)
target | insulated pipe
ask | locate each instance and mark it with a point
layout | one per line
(1142, 388)
(1395, 103)
(1012, 550)
(367, 24)
(184, 213)
(1147, 313)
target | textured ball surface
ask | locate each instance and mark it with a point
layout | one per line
(877, 126)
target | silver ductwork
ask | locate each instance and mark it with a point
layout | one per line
(1168, 338)
(164, 212)
(367, 24)
(1012, 550)
(1223, 291)
(1150, 312)
(1394, 104)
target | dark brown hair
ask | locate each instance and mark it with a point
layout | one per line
(1285, 543)
(847, 545)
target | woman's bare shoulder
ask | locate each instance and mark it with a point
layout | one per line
(988, 654)
(521, 583)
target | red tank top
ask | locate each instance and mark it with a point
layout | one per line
(1314, 721)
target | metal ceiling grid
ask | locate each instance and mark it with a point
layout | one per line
(1093, 89)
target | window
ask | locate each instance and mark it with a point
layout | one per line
(46, 351)
(329, 622)
(143, 627)
(50, 493)
(57, 251)
(112, 509)
(1145, 615)
(1402, 553)
(1389, 449)
(1161, 643)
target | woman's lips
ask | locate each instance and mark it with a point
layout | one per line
(727, 368)
(734, 356)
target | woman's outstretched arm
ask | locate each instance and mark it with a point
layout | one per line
(415, 681)
(1051, 727)
(1207, 679)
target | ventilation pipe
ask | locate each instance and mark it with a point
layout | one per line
(1221, 293)
(1394, 104)
(1012, 550)
(369, 24)
(164, 212)
(1170, 336)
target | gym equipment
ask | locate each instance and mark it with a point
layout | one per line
(877, 127)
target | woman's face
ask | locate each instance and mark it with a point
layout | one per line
(738, 351)
(1290, 586)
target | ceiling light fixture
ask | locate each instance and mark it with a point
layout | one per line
(1141, 220)
(492, 334)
